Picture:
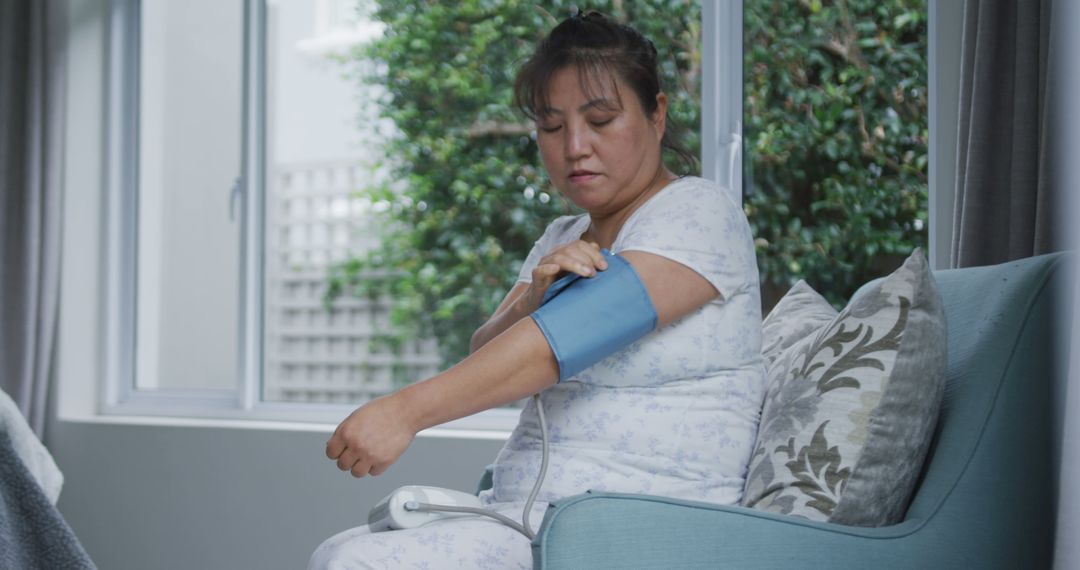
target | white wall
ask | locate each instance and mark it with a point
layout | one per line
(141, 497)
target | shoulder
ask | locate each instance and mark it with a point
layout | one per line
(697, 223)
(563, 229)
(559, 231)
(564, 224)
(688, 204)
(694, 190)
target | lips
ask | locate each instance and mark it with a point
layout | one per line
(580, 175)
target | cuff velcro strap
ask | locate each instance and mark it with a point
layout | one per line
(588, 319)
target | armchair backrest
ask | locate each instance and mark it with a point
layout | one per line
(990, 476)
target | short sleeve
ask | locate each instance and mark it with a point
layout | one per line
(694, 222)
(558, 232)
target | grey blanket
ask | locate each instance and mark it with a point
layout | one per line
(32, 533)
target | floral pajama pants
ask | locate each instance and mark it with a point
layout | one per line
(468, 542)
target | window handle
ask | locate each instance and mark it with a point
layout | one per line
(734, 148)
(234, 194)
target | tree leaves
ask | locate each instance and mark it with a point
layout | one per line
(837, 138)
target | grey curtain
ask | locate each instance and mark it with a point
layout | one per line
(1006, 197)
(31, 120)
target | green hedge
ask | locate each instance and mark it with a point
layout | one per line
(835, 131)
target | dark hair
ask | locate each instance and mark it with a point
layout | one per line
(597, 47)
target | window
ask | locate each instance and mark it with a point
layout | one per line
(188, 238)
(836, 137)
(323, 139)
(260, 176)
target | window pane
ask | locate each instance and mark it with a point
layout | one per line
(836, 140)
(425, 247)
(324, 137)
(190, 71)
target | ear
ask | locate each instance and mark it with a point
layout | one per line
(659, 118)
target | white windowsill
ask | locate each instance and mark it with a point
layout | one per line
(265, 425)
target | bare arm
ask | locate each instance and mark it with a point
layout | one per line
(513, 365)
(510, 366)
(579, 257)
(511, 310)
(675, 289)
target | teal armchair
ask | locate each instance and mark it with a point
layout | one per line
(986, 498)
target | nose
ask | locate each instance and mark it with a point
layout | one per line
(577, 143)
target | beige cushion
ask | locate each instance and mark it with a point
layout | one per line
(801, 312)
(852, 400)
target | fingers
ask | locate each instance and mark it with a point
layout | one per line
(335, 446)
(360, 469)
(371, 438)
(545, 273)
(379, 469)
(357, 466)
(348, 460)
(581, 257)
(357, 461)
(593, 250)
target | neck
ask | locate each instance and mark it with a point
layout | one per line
(605, 226)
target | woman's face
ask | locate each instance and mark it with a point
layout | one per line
(600, 150)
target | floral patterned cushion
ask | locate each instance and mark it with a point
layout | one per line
(801, 312)
(850, 407)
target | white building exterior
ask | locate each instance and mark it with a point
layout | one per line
(324, 144)
(313, 354)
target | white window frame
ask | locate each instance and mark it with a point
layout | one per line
(722, 94)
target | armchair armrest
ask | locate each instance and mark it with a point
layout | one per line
(616, 530)
(486, 481)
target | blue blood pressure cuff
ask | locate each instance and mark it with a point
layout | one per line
(588, 319)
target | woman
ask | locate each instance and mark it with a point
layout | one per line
(672, 414)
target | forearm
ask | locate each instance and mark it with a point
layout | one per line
(498, 323)
(511, 366)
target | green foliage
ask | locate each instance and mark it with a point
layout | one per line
(836, 132)
(470, 195)
(836, 140)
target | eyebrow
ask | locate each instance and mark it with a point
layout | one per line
(601, 103)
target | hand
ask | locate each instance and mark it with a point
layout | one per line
(581, 257)
(372, 438)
